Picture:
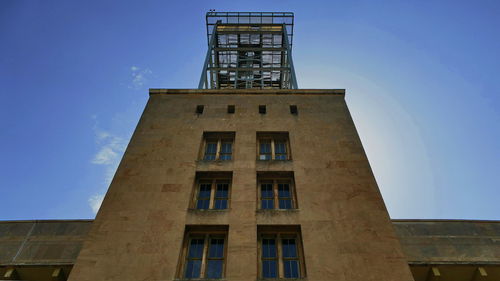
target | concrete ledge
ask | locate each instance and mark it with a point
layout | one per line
(340, 92)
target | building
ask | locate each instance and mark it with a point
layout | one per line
(247, 178)
(436, 250)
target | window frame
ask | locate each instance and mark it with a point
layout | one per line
(279, 233)
(273, 138)
(219, 139)
(207, 233)
(212, 178)
(276, 181)
(213, 192)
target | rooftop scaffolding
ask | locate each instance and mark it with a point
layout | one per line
(249, 50)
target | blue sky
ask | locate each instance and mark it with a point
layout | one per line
(421, 80)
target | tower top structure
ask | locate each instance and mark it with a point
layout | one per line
(249, 50)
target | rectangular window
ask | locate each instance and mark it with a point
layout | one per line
(291, 268)
(204, 252)
(212, 191)
(281, 254)
(265, 149)
(285, 195)
(269, 258)
(226, 149)
(266, 195)
(276, 190)
(217, 146)
(221, 195)
(262, 109)
(273, 146)
(199, 109)
(194, 257)
(203, 198)
(210, 149)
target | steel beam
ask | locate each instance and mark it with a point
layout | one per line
(203, 78)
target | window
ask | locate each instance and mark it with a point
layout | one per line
(276, 191)
(262, 109)
(203, 253)
(199, 109)
(273, 146)
(212, 191)
(293, 110)
(218, 146)
(231, 109)
(280, 252)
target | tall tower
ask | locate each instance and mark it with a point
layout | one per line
(245, 178)
(249, 50)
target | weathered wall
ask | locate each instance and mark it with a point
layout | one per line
(346, 231)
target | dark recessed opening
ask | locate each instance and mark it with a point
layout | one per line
(230, 109)
(199, 109)
(262, 109)
(293, 110)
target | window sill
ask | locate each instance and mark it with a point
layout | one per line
(277, 211)
(208, 210)
(283, 279)
(202, 279)
(274, 161)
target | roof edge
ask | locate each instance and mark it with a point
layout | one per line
(445, 220)
(392, 220)
(159, 91)
(46, 221)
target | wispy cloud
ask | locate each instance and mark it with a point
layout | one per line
(139, 76)
(110, 148)
(95, 202)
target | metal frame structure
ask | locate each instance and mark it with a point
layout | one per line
(249, 50)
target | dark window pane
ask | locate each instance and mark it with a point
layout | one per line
(226, 150)
(291, 269)
(193, 269)
(269, 269)
(209, 157)
(210, 151)
(283, 190)
(203, 204)
(280, 156)
(265, 157)
(265, 147)
(196, 248)
(214, 269)
(280, 147)
(289, 248)
(267, 204)
(285, 204)
(266, 190)
(225, 157)
(220, 204)
(222, 190)
(211, 148)
(268, 248)
(205, 190)
(216, 248)
(226, 147)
